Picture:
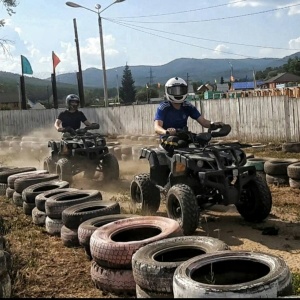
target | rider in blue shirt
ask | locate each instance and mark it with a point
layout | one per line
(173, 113)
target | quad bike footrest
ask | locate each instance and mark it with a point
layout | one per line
(229, 181)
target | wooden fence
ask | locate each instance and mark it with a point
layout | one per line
(257, 119)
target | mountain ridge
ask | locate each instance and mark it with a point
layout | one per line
(191, 69)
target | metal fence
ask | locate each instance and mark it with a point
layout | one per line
(257, 119)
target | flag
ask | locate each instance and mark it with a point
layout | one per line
(26, 67)
(146, 85)
(231, 78)
(55, 60)
(158, 85)
(215, 80)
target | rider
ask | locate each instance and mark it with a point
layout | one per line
(70, 119)
(173, 113)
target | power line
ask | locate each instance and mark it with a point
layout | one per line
(246, 56)
(216, 19)
(184, 35)
(205, 39)
(180, 12)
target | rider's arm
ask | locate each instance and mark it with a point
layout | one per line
(87, 123)
(58, 125)
(158, 127)
(204, 122)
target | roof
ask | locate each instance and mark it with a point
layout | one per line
(283, 77)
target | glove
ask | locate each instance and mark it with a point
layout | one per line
(70, 130)
(216, 125)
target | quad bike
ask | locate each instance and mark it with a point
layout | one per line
(199, 175)
(81, 151)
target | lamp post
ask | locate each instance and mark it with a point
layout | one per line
(98, 12)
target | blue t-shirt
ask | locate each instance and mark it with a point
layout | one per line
(176, 118)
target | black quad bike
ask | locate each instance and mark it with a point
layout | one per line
(198, 176)
(81, 151)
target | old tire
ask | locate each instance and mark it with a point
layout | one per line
(8, 172)
(55, 204)
(110, 167)
(160, 260)
(182, 206)
(255, 203)
(87, 228)
(232, 274)
(64, 170)
(32, 191)
(258, 163)
(293, 171)
(49, 165)
(113, 244)
(40, 199)
(117, 281)
(74, 215)
(22, 183)
(144, 194)
(276, 167)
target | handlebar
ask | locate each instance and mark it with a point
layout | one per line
(71, 133)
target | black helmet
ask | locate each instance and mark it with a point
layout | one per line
(72, 97)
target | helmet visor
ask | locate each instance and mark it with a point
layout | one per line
(177, 90)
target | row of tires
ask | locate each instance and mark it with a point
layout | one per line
(278, 171)
(129, 253)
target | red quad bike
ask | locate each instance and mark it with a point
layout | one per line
(199, 175)
(81, 151)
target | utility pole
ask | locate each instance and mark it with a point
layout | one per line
(150, 77)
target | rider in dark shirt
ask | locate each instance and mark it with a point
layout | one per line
(72, 117)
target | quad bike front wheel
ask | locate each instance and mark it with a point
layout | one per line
(110, 167)
(144, 194)
(182, 206)
(255, 203)
(64, 170)
(49, 164)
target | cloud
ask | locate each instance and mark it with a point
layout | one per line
(294, 43)
(220, 49)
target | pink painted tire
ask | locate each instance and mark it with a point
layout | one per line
(113, 244)
(117, 281)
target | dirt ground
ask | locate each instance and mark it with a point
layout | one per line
(43, 267)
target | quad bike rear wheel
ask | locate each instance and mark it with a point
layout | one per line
(49, 164)
(255, 203)
(64, 170)
(182, 206)
(144, 194)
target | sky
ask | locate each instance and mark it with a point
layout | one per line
(146, 32)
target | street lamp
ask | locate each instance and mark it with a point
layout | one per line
(98, 6)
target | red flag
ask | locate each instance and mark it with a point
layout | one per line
(55, 60)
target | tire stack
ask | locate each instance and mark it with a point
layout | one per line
(258, 163)
(161, 258)
(23, 182)
(5, 172)
(276, 171)
(293, 172)
(113, 245)
(31, 192)
(56, 204)
(233, 274)
(87, 228)
(74, 215)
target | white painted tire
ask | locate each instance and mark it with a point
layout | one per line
(53, 226)
(233, 274)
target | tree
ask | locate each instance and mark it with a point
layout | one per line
(8, 4)
(127, 90)
(222, 80)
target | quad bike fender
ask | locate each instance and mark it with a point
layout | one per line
(155, 156)
(231, 191)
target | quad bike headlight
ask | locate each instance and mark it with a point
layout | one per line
(74, 146)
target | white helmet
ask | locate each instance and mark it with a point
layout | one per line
(72, 97)
(176, 90)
